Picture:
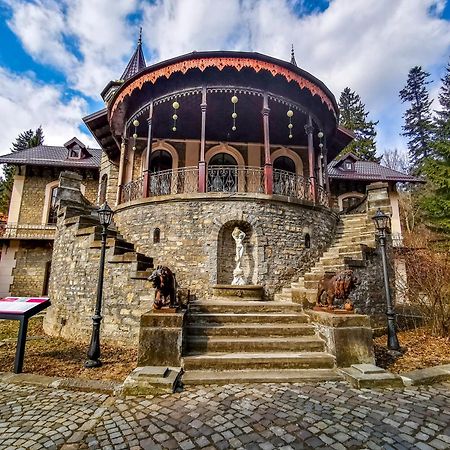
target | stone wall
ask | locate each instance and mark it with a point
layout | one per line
(74, 276)
(191, 231)
(33, 195)
(31, 269)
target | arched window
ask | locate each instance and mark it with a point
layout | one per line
(350, 201)
(222, 173)
(160, 174)
(284, 177)
(156, 236)
(52, 212)
(307, 240)
(102, 192)
(284, 163)
(160, 160)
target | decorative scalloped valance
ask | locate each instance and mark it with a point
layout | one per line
(221, 63)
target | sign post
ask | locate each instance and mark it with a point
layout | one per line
(21, 309)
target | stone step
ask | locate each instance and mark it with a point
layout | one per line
(242, 307)
(337, 253)
(248, 318)
(245, 344)
(143, 262)
(283, 298)
(142, 274)
(276, 360)
(319, 268)
(198, 377)
(248, 329)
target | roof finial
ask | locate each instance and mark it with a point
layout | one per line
(293, 61)
(140, 36)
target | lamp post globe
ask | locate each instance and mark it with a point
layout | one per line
(105, 215)
(382, 223)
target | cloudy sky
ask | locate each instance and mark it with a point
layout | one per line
(57, 55)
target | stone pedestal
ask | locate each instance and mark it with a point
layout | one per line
(237, 292)
(347, 336)
(161, 339)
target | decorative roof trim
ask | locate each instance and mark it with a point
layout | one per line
(220, 64)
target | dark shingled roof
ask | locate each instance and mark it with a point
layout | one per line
(46, 155)
(367, 171)
(137, 62)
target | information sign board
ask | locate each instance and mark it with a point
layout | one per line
(21, 308)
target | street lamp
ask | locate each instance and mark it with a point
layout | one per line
(105, 214)
(382, 223)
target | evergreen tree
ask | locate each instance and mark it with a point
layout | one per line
(418, 127)
(354, 117)
(443, 115)
(27, 139)
(436, 202)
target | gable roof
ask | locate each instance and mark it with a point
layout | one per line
(367, 171)
(46, 155)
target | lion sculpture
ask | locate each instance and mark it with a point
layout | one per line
(165, 284)
(337, 286)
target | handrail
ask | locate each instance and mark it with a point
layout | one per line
(226, 179)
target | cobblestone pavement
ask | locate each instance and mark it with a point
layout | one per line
(266, 416)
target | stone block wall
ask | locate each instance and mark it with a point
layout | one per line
(31, 269)
(73, 286)
(33, 195)
(191, 236)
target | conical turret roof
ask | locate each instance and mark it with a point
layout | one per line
(137, 61)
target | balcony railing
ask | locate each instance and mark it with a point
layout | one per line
(178, 181)
(226, 179)
(291, 185)
(29, 231)
(235, 179)
(132, 190)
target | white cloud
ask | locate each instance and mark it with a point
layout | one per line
(368, 45)
(26, 104)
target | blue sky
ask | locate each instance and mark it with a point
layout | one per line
(57, 55)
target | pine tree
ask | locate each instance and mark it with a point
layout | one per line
(418, 127)
(436, 202)
(443, 115)
(354, 117)
(27, 139)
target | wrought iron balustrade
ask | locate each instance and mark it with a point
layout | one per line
(177, 181)
(226, 179)
(29, 231)
(291, 185)
(132, 190)
(235, 179)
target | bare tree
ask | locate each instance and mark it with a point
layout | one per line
(396, 160)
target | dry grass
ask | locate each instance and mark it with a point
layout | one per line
(54, 356)
(422, 350)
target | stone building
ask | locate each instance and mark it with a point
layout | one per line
(193, 147)
(28, 235)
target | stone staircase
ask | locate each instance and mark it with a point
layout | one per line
(353, 235)
(232, 341)
(122, 252)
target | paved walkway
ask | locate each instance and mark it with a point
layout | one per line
(286, 416)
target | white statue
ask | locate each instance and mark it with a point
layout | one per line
(238, 236)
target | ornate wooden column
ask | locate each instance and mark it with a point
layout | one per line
(121, 169)
(268, 169)
(147, 174)
(309, 129)
(202, 163)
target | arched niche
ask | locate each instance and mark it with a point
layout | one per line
(226, 253)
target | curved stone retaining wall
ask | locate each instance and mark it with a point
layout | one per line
(194, 237)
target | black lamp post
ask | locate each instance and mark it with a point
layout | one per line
(382, 223)
(105, 214)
